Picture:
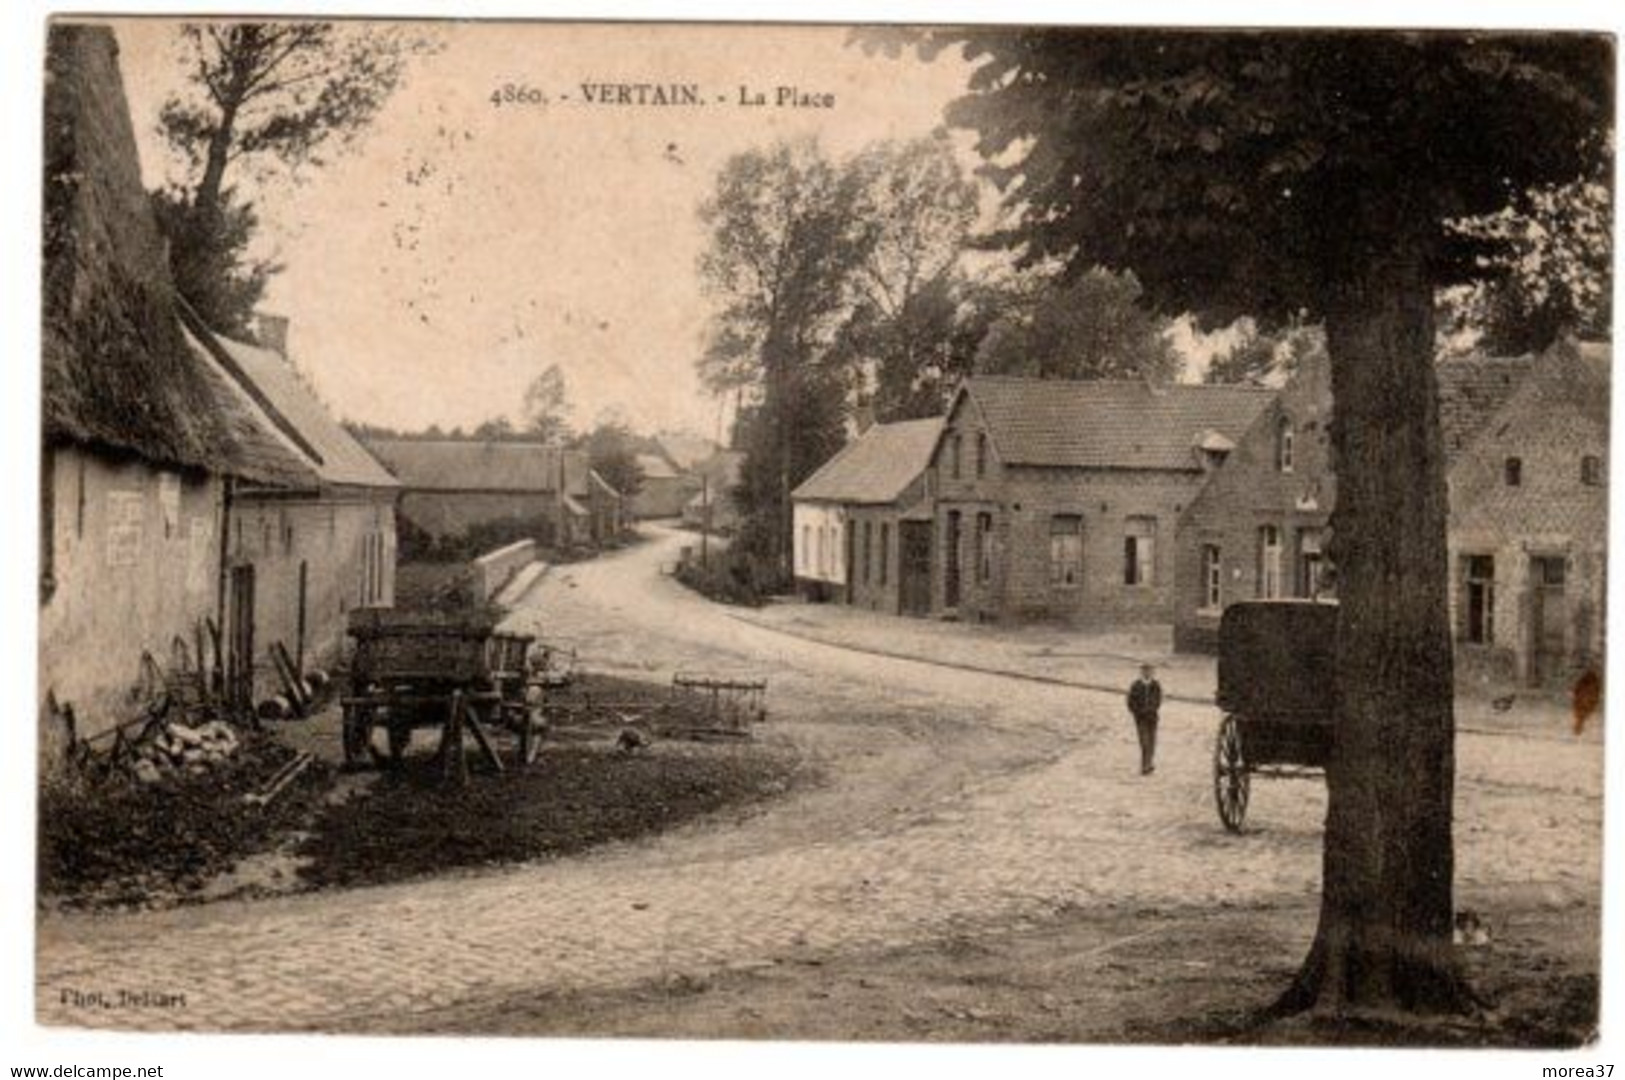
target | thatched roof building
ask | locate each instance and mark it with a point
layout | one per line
(118, 373)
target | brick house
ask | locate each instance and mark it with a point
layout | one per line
(862, 522)
(1260, 526)
(1529, 527)
(1059, 498)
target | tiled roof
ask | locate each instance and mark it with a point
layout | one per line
(1471, 390)
(877, 466)
(340, 458)
(1109, 423)
(473, 465)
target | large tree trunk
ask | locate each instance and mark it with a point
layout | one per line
(1384, 939)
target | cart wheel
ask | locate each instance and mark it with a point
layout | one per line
(399, 738)
(532, 728)
(1231, 779)
(357, 729)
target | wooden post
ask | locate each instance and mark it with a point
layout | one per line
(453, 766)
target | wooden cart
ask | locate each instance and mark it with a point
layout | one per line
(414, 670)
(1276, 662)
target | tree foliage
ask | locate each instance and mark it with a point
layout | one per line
(1264, 357)
(1089, 326)
(907, 331)
(786, 239)
(1314, 173)
(546, 406)
(1550, 270)
(261, 96)
(611, 449)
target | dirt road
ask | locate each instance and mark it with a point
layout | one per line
(948, 807)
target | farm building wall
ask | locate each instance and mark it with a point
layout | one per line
(130, 561)
(451, 513)
(346, 544)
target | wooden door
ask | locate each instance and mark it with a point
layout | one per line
(240, 642)
(914, 567)
(1548, 621)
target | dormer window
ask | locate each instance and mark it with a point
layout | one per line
(1284, 438)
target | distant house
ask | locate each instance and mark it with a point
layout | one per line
(664, 490)
(298, 560)
(143, 440)
(450, 485)
(1529, 526)
(713, 505)
(1060, 498)
(1261, 526)
(862, 522)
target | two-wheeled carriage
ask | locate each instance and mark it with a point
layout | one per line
(1276, 662)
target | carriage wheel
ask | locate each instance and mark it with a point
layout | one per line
(1231, 779)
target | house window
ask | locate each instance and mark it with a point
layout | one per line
(868, 549)
(885, 551)
(1309, 563)
(1269, 562)
(1513, 471)
(954, 448)
(1212, 577)
(981, 453)
(1140, 551)
(1066, 550)
(1284, 438)
(806, 547)
(1478, 599)
(1591, 470)
(984, 548)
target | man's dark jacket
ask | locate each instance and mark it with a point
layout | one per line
(1144, 699)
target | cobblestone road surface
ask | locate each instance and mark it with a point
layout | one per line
(952, 802)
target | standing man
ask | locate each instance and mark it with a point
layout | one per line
(1144, 702)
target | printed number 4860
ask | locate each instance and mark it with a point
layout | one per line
(517, 94)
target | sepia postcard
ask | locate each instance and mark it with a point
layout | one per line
(876, 533)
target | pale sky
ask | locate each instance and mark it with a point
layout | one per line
(461, 247)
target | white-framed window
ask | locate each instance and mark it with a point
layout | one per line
(1284, 444)
(1066, 550)
(1212, 577)
(1269, 562)
(1140, 551)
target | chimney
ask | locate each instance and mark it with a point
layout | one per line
(272, 332)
